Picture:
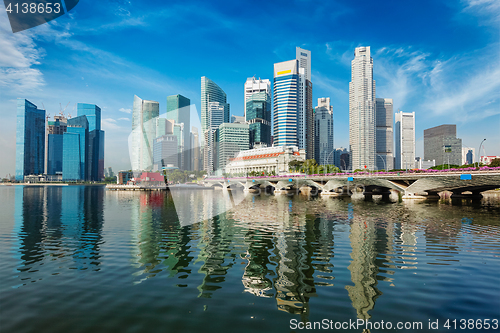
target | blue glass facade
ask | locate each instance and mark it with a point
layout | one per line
(93, 114)
(285, 110)
(55, 154)
(30, 139)
(258, 115)
(75, 145)
(95, 150)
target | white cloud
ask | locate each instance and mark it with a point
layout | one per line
(125, 110)
(489, 10)
(17, 57)
(127, 119)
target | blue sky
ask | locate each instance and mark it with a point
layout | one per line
(440, 59)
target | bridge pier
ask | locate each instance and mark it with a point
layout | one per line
(475, 195)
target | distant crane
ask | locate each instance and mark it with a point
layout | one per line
(61, 110)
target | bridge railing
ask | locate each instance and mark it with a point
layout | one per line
(427, 172)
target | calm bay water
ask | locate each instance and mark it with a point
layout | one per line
(83, 259)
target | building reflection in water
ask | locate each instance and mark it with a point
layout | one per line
(54, 224)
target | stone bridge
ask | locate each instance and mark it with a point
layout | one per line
(410, 185)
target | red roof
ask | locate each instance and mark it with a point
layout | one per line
(152, 177)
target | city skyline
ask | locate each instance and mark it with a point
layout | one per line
(449, 77)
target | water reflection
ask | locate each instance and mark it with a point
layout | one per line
(57, 223)
(278, 249)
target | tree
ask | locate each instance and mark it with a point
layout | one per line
(495, 163)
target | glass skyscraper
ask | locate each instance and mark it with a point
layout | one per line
(143, 133)
(75, 146)
(323, 132)
(30, 139)
(95, 150)
(55, 131)
(178, 109)
(214, 111)
(258, 116)
(285, 103)
(293, 113)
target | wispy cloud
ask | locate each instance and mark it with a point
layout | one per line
(487, 10)
(18, 58)
(465, 87)
(125, 110)
(398, 71)
(127, 119)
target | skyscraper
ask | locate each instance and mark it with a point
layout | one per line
(258, 116)
(405, 140)
(214, 111)
(30, 139)
(178, 109)
(362, 140)
(285, 103)
(215, 117)
(384, 134)
(165, 152)
(293, 112)
(323, 132)
(75, 149)
(95, 150)
(441, 144)
(306, 111)
(143, 133)
(230, 139)
(253, 86)
(54, 145)
(468, 155)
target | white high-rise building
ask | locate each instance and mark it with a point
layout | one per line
(143, 133)
(405, 140)
(254, 86)
(384, 134)
(362, 139)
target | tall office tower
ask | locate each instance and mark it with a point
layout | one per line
(211, 93)
(362, 140)
(165, 152)
(384, 134)
(323, 132)
(95, 159)
(258, 116)
(75, 149)
(54, 145)
(441, 144)
(143, 133)
(30, 139)
(468, 155)
(405, 140)
(195, 144)
(293, 113)
(306, 111)
(215, 117)
(253, 86)
(285, 106)
(178, 109)
(230, 138)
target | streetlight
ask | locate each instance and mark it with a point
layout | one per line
(479, 152)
